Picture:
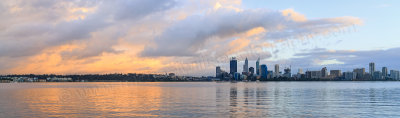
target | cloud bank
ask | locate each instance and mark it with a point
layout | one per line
(187, 37)
(146, 36)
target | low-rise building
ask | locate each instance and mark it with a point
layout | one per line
(394, 75)
(335, 73)
(349, 75)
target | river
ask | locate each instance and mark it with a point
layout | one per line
(200, 99)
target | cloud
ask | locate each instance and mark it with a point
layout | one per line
(187, 37)
(346, 59)
(327, 62)
(30, 27)
(133, 9)
(146, 36)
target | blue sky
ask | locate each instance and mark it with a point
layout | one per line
(381, 19)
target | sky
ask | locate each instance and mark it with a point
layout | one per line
(192, 37)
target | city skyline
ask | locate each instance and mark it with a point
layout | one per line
(281, 67)
(263, 73)
(193, 37)
(199, 58)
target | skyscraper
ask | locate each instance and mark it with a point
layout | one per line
(218, 71)
(276, 69)
(371, 68)
(384, 72)
(324, 72)
(264, 71)
(258, 66)
(246, 66)
(233, 66)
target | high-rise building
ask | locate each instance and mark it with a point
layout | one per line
(264, 71)
(371, 68)
(246, 66)
(287, 72)
(360, 72)
(218, 72)
(336, 73)
(324, 72)
(233, 65)
(258, 66)
(384, 72)
(277, 69)
(251, 70)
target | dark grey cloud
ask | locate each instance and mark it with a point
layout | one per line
(97, 45)
(186, 38)
(37, 25)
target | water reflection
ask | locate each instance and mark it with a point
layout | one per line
(260, 94)
(233, 96)
(100, 100)
(272, 99)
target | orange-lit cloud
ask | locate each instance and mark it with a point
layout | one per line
(294, 15)
(74, 37)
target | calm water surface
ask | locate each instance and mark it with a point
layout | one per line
(201, 99)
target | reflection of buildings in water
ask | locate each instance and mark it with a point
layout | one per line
(249, 96)
(233, 96)
(261, 95)
(277, 98)
(246, 96)
(233, 101)
(372, 95)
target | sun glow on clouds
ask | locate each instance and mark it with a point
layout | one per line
(255, 31)
(77, 37)
(228, 4)
(52, 61)
(79, 13)
(294, 15)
